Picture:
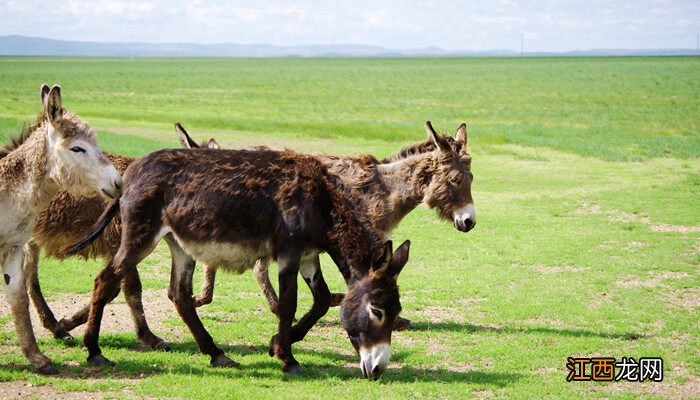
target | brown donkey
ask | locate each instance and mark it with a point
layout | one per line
(228, 208)
(66, 220)
(59, 152)
(437, 172)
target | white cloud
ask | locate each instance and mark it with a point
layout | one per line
(456, 24)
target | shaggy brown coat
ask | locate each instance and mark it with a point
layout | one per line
(436, 171)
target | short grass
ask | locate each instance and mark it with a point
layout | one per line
(588, 195)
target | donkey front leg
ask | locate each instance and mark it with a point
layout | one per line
(310, 270)
(180, 292)
(31, 273)
(281, 343)
(16, 294)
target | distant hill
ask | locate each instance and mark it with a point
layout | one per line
(32, 46)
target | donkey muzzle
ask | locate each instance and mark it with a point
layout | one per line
(373, 361)
(115, 189)
(465, 218)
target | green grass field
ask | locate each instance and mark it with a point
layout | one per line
(587, 185)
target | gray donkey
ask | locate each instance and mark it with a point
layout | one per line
(57, 153)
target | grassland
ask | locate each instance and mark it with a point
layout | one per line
(587, 182)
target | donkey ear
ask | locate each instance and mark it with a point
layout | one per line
(461, 135)
(212, 144)
(399, 259)
(381, 261)
(436, 138)
(44, 93)
(54, 105)
(185, 139)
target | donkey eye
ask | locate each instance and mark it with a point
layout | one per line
(377, 313)
(77, 149)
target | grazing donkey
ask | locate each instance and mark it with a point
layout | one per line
(59, 152)
(436, 172)
(228, 208)
(66, 220)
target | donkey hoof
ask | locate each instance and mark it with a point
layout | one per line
(293, 369)
(274, 345)
(65, 336)
(47, 369)
(162, 346)
(222, 361)
(101, 361)
(402, 324)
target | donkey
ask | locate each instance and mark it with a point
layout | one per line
(59, 152)
(436, 172)
(228, 208)
(67, 220)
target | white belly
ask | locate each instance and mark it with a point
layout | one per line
(233, 257)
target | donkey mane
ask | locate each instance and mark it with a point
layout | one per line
(420, 148)
(27, 130)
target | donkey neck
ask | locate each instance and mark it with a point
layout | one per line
(393, 190)
(26, 174)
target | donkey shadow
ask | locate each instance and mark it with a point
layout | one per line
(451, 326)
(335, 365)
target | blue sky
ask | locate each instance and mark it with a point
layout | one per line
(452, 25)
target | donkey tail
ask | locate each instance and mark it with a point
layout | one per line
(97, 229)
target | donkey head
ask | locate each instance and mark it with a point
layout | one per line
(75, 162)
(449, 190)
(371, 306)
(187, 142)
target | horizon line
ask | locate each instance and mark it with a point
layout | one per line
(311, 44)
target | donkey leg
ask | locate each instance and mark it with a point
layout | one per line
(180, 293)
(310, 270)
(281, 343)
(16, 294)
(207, 295)
(30, 267)
(131, 285)
(105, 290)
(77, 319)
(260, 270)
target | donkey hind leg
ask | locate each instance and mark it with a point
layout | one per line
(281, 343)
(260, 270)
(106, 289)
(310, 270)
(207, 295)
(180, 292)
(16, 294)
(31, 274)
(131, 285)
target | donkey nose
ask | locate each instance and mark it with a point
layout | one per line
(465, 224)
(118, 186)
